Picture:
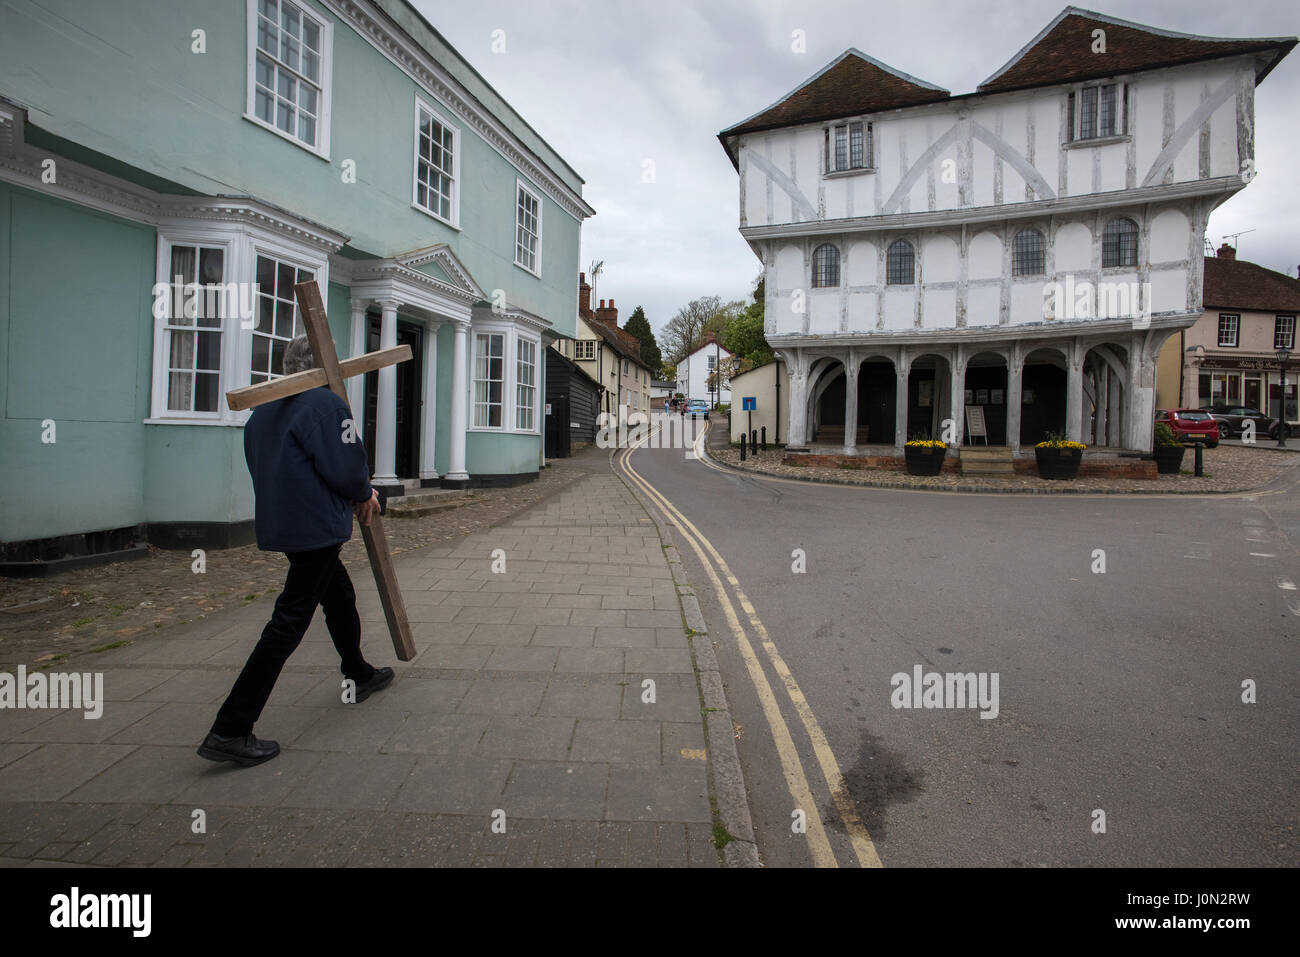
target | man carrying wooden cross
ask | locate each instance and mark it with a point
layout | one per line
(310, 476)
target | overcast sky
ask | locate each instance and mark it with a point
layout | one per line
(612, 83)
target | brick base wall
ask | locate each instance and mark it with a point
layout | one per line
(1127, 468)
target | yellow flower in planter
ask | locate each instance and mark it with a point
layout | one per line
(925, 444)
(1057, 440)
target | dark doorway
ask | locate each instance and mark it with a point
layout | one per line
(559, 440)
(1042, 408)
(409, 400)
(877, 400)
(987, 387)
(922, 397)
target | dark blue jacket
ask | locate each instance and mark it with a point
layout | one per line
(305, 476)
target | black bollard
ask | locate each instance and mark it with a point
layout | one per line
(764, 438)
(1199, 472)
(742, 446)
(753, 442)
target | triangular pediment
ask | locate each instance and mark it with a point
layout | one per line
(440, 263)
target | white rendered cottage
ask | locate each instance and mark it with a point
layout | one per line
(1025, 248)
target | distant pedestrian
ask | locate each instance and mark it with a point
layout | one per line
(310, 477)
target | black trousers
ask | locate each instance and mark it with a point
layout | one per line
(315, 578)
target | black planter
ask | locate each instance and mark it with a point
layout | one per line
(922, 460)
(1169, 459)
(1058, 463)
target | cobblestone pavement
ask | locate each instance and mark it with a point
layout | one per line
(528, 706)
(85, 609)
(1227, 469)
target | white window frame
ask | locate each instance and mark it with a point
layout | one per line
(505, 382)
(162, 332)
(831, 141)
(584, 350)
(242, 247)
(521, 186)
(510, 376)
(1277, 328)
(1235, 325)
(1074, 113)
(521, 341)
(276, 256)
(321, 147)
(441, 117)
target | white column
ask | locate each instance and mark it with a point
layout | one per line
(1103, 404)
(1139, 410)
(796, 430)
(1115, 412)
(902, 374)
(1074, 393)
(356, 386)
(850, 403)
(1015, 391)
(459, 402)
(386, 406)
(957, 362)
(429, 435)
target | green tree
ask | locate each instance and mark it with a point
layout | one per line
(639, 326)
(743, 336)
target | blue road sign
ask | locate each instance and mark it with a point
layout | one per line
(749, 403)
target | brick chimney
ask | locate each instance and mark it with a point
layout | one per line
(1226, 252)
(607, 314)
(584, 296)
(709, 338)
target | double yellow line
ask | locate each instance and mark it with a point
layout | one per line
(796, 780)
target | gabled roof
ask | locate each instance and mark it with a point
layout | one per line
(1235, 284)
(712, 345)
(850, 85)
(615, 341)
(1062, 52)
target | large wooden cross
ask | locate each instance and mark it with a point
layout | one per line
(329, 371)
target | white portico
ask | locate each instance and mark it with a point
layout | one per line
(430, 288)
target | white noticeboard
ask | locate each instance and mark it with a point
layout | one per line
(975, 423)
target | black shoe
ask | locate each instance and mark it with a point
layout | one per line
(381, 679)
(246, 750)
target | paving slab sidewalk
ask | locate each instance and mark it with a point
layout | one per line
(551, 717)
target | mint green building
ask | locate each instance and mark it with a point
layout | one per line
(168, 171)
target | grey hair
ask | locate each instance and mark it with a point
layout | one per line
(298, 356)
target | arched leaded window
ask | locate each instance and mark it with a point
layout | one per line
(1027, 252)
(1119, 243)
(900, 263)
(826, 266)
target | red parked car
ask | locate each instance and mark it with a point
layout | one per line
(1190, 425)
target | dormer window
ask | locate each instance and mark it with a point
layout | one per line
(1097, 112)
(848, 147)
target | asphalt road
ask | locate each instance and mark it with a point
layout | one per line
(1118, 692)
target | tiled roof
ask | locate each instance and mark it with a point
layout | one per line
(1234, 284)
(615, 341)
(855, 84)
(1062, 53)
(851, 85)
